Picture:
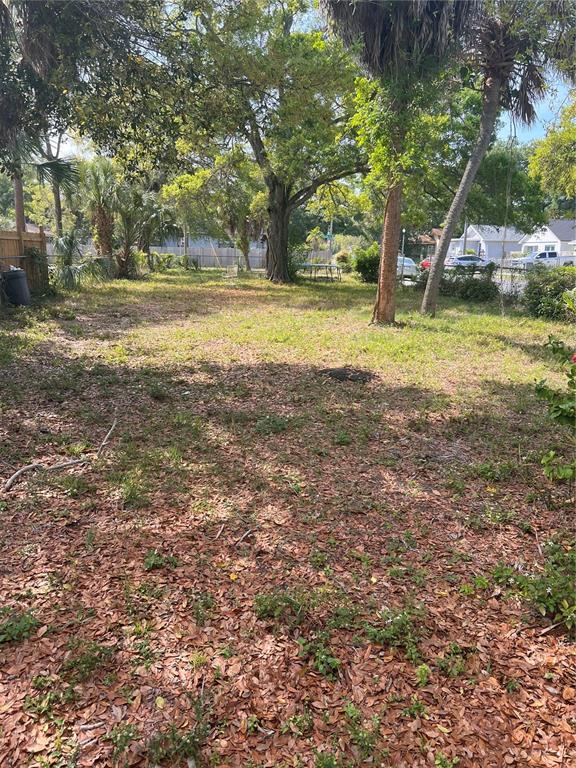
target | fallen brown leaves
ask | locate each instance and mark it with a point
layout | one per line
(246, 509)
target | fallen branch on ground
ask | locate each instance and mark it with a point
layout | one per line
(241, 539)
(60, 465)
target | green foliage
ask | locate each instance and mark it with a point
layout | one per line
(344, 260)
(465, 283)
(453, 663)
(327, 760)
(156, 559)
(398, 629)
(271, 425)
(416, 708)
(16, 625)
(297, 256)
(552, 590)
(299, 724)
(221, 200)
(175, 744)
(202, 605)
(121, 736)
(72, 270)
(319, 652)
(288, 606)
(562, 410)
(87, 657)
(423, 675)
(367, 263)
(364, 735)
(544, 292)
(552, 161)
(441, 761)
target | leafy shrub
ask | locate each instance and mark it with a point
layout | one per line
(155, 559)
(175, 744)
(364, 735)
(344, 260)
(398, 629)
(88, 657)
(271, 425)
(453, 663)
(319, 652)
(297, 257)
(544, 295)
(290, 607)
(553, 590)
(462, 283)
(367, 263)
(16, 625)
(471, 289)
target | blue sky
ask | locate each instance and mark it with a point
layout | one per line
(547, 112)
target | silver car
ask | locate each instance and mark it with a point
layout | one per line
(468, 260)
(408, 269)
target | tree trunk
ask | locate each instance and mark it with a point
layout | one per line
(244, 245)
(19, 203)
(126, 265)
(57, 208)
(384, 309)
(104, 226)
(277, 233)
(490, 108)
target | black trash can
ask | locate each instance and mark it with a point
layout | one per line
(15, 286)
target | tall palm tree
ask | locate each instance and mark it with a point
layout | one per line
(408, 39)
(57, 172)
(133, 212)
(99, 185)
(513, 43)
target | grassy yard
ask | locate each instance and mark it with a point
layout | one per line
(268, 566)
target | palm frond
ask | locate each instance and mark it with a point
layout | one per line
(62, 172)
(392, 36)
(67, 248)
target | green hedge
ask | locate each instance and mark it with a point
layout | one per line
(543, 295)
(367, 262)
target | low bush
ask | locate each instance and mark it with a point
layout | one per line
(546, 293)
(287, 606)
(317, 650)
(16, 625)
(552, 591)
(465, 283)
(367, 263)
(297, 257)
(399, 629)
(344, 260)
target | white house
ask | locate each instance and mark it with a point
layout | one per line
(559, 236)
(490, 243)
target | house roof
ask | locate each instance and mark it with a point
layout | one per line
(495, 234)
(564, 229)
(430, 237)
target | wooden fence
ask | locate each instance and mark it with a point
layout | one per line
(26, 250)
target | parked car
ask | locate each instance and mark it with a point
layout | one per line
(468, 260)
(409, 270)
(544, 258)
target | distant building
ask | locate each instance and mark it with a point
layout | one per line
(490, 243)
(428, 241)
(559, 236)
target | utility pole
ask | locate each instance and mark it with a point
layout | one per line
(402, 267)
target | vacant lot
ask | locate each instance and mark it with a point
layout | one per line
(267, 566)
